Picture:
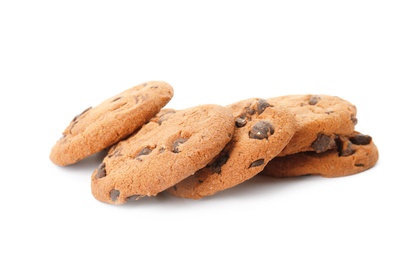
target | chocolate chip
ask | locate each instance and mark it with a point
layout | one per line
(262, 105)
(83, 112)
(314, 100)
(361, 139)
(257, 163)
(134, 197)
(323, 143)
(144, 151)
(261, 130)
(219, 162)
(354, 120)
(347, 150)
(359, 165)
(114, 194)
(344, 146)
(240, 121)
(177, 143)
(115, 99)
(102, 172)
(250, 110)
(200, 181)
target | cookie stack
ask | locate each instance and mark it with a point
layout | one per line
(199, 151)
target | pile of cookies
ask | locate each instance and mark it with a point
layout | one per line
(199, 151)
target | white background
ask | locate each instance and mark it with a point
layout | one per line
(56, 59)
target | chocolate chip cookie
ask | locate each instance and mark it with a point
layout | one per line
(99, 127)
(146, 164)
(262, 131)
(352, 154)
(320, 119)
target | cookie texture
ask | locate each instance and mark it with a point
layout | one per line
(146, 164)
(353, 154)
(114, 119)
(261, 132)
(320, 118)
(154, 122)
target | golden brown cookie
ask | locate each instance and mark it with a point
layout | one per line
(320, 119)
(353, 154)
(155, 121)
(146, 164)
(114, 119)
(262, 131)
(152, 124)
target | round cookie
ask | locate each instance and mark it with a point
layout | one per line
(261, 132)
(320, 119)
(111, 121)
(146, 164)
(354, 154)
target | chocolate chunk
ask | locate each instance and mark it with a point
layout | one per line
(75, 119)
(262, 105)
(344, 146)
(83, 112)
(354, 120)
(314, 100)
(359, 165)
(323, 143)
(177, 143)
(361, 139)
(115, 99)
(240, 121)
(134, 197)
(219, 162)
(102, 172)
(250, 110)
(144, 151)
(261, 130)
(347, 149)
(257, 163)
(114, 194)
